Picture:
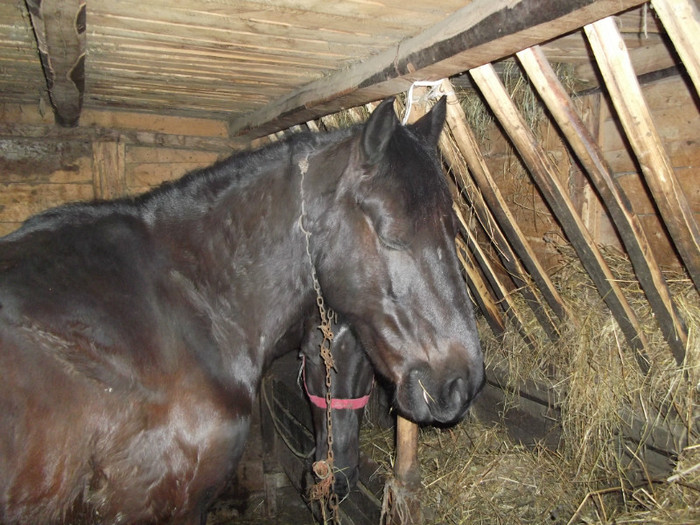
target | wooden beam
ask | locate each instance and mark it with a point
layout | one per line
(510, 261)
(480, 291)
(502, 294)
(545, 81)
(614, 62)
(469, 148)
(59, 27)
(108, 169)
(481, 32)
(545, 175)
(681, 19)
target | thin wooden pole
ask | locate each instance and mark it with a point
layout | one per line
(480, 290)
(681, 18)
(502, 295)
(621, 82)
(544, 173)
(545, 81)
(469, 149)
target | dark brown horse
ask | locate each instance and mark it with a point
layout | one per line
(134, 333)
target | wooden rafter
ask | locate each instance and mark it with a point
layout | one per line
(480, 291)
(621, 83)
(456, 121)
(544, 173)
(503, 296)
(59, 27)
(510, 261)
(481, 32)
(545, 81)
(681, 18)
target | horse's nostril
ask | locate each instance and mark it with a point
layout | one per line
(457, 391)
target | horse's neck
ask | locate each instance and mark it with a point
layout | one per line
(242, 257)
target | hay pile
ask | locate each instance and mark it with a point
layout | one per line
(475, 473)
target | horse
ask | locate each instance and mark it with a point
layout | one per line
(352, 379)
(134, 333)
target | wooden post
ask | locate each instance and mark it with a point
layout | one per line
(544, 173)
(631, 232)
(59, 27)
(621, 82)
(108, 169)
(406, 467)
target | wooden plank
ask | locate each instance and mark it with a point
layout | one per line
(543, 172)
(681, 19)
(19, 201)
(501, 245)
(469, 148)
(503, 296)
(612, 58)
(545, 81)
(108, 163)
(59, 27)
(480, 32)
(480, 292)
(130, 136)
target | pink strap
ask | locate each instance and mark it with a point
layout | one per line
(336, 403)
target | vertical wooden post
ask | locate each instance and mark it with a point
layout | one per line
(109, 169)
(406, 466)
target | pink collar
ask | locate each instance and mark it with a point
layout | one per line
(336, 403)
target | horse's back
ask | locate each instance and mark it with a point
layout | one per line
(105, 412)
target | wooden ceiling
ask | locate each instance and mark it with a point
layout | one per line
(263, 65)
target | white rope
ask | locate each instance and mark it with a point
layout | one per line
(434, 93)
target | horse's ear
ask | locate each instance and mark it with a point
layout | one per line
(378, 131)
(430, 125)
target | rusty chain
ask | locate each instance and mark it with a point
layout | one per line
(322, 491)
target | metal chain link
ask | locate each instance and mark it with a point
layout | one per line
(323, 489)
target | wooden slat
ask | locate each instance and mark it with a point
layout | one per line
(108, 163)
(480, 32)
(681, 19)
(502, 247)
(502, 294)
(544, 173)
(612, 58)
(59, 26)
(469, 148)
(480, 291)
(545, 81)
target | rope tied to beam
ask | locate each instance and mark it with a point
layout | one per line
(435, 93)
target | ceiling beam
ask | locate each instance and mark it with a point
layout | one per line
(59, 28)
(481, 32)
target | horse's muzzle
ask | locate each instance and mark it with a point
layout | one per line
(427, 397)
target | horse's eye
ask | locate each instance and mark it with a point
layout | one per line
(392, 244)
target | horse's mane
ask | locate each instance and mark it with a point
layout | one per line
(239, 168)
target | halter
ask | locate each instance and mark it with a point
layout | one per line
(337, 403)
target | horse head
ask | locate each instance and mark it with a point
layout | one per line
(386, 261)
